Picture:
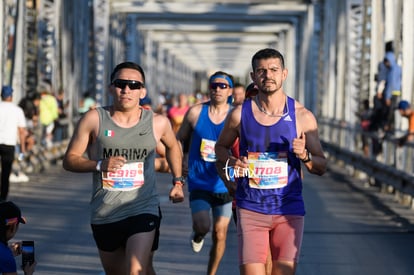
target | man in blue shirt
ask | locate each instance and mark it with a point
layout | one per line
(392, 90)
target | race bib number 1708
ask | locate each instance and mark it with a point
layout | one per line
(268, 170)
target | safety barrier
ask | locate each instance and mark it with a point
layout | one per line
(40, 158)
(392, 168)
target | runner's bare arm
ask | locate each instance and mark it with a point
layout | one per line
(308, 139)
(85, 133)
(228, 136)
(165, 134)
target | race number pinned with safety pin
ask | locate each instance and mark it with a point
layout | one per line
(129, 177)
(268, 170)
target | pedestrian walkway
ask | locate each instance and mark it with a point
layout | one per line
(349, 229)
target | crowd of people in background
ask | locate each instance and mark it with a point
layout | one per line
(47, 119)
(379, 121)
(199, 127)
(48, 122)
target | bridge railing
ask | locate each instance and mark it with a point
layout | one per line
(391, 167)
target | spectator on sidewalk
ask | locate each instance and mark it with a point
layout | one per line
(48, 114)
(177, 112)
(86, 103)
(10, 219)
(62, 123)
(30, 106)
(12, 132)
(405, 109)
(238, 94)
(365, 116)
(392, 90)
(377, 125)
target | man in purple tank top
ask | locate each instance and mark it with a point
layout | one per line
(277, 134)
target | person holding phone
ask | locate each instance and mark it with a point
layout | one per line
(10, 218)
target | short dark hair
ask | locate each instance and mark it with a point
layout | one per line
(389, 46)
(238, 84)
(266, 54)
(127, 65)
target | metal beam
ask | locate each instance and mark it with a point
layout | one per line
(142, 6)
(207, 35)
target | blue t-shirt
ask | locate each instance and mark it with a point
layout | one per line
(393, 80)
(7, 261)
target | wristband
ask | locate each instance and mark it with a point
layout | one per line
(307, 158)
(179, 183)
(178, 180)
(98, 165)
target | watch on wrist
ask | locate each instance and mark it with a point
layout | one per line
(308, 157)
(178, 180)
(98, 165)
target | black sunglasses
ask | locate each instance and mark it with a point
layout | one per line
(216, 85)
(132, 84)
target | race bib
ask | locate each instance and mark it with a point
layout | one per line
(207, 150)
(129, 177)
(268, 170)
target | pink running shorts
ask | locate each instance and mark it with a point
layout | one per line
(256, 231)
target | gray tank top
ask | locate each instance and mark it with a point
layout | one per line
(130, 191)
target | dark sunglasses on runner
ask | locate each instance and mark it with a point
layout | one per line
(218, 85)
(132, 84)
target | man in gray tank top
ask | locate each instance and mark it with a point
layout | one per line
(120, 142)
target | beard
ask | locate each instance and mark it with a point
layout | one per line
(269, 89)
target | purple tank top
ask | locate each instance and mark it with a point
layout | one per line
(276, 187)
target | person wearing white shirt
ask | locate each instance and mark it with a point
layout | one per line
(12, 128)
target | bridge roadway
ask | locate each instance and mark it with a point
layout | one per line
(349, 228)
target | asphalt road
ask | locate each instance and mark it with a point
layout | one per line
(349, 229)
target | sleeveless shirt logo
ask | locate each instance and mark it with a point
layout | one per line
(109, 133)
